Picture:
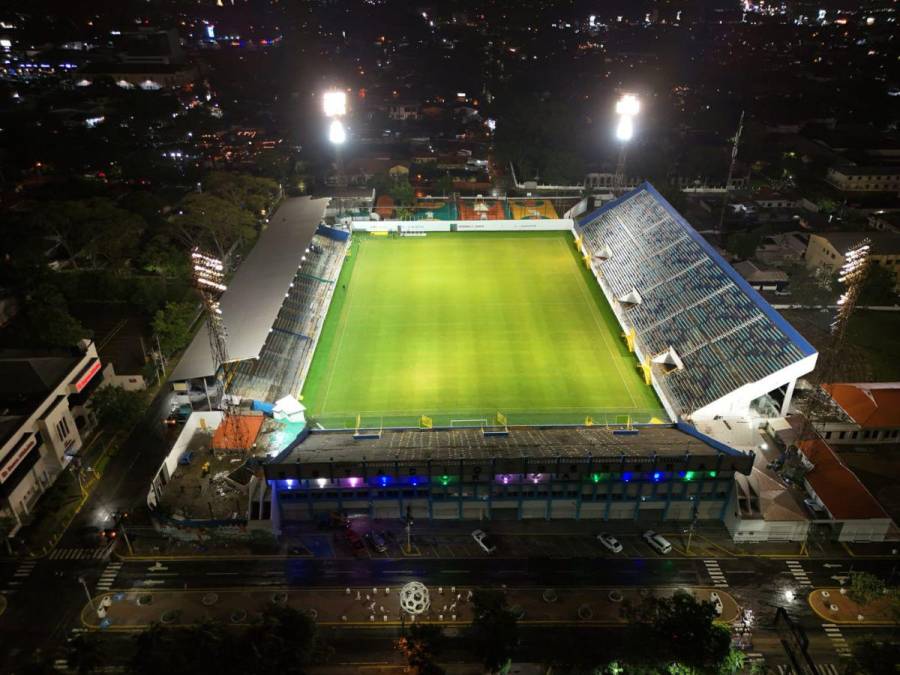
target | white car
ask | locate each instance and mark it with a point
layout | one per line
(716, 603)
(658, 542)
(609, 542)
(481, 538)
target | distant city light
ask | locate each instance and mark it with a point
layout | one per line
(335, 103)
(336, 133)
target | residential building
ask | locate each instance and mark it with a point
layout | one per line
(826, 250)
(404, 111)
(43, 420)
(850, 178)
(863, 413)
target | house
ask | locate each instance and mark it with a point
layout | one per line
(762, 279)
(404, 111)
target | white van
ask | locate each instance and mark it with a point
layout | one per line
(657, 541)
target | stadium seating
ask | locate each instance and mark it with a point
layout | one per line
(690, 301)
(287, 353)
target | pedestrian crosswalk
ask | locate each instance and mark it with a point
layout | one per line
(108, 577)
(838, 641)
(715, 573)
(96, 553)
(821, 668)
(799, 573)
(23, 571)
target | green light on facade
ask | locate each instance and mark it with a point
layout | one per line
(712, 474)
(595, 477)
(689, 475)
(445, 480)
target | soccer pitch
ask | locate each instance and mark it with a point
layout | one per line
(460, 326)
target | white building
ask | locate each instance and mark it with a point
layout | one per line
(864, 178)
(42, 420)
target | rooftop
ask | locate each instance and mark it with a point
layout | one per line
(842, 493)
(256, 291)
(883, 243)
(872, 405)
(533, 442)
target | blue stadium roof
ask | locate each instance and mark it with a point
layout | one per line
(693, 314)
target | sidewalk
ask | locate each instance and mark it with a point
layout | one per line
(368, 607)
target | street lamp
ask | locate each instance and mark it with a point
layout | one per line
(789, 595)
(87, 592)
(627, 108)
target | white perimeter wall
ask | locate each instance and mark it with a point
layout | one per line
(463, 225)
(191, 426)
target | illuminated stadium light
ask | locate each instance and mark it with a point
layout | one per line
(336, 133)
(628, 106)
(334, 103)
(625, 129)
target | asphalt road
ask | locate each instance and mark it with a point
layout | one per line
(51, 594)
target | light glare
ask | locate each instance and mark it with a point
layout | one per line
(335, 103)
(336, 133)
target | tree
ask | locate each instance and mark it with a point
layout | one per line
(682, 630)
(84, 654)
(284, 641)
(444, 184)
(744, 244)
(172, 325)
(402, 192)
(873, 657)
(878, 287)
(811, 288)
(864, 588)
(208, 220)
(421, 646)
(49, 321)
(247, 192)
(494, 631)
(117, 408)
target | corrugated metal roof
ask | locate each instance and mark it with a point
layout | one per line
(256, 292)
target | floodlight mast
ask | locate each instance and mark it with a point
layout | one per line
(334, 104)
(208, 273)
(627, 108)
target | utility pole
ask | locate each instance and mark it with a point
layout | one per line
(734, 152)
(120, 519)
(409, 524)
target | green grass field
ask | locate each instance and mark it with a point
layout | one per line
(461, 326)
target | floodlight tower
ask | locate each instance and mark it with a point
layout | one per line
(627, 108)
(334, 105)
(208, 274)
(734, 153)
(852, 275)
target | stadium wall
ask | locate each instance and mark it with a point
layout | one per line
(464, 226)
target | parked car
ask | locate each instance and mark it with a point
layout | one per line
(486, 543)
(716, 603)
(376, 540)
(610, 542)
(658, 542)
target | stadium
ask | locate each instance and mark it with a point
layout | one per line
(494, 360)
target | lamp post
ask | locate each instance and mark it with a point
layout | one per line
(627, 108)
(87, 593)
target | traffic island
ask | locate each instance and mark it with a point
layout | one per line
(834, 606)
(369, 607)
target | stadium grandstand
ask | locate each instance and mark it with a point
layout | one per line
(532, 209)
(256, 291)
(285, 357)
(710, 343)
(429, 208)
(478, 208)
